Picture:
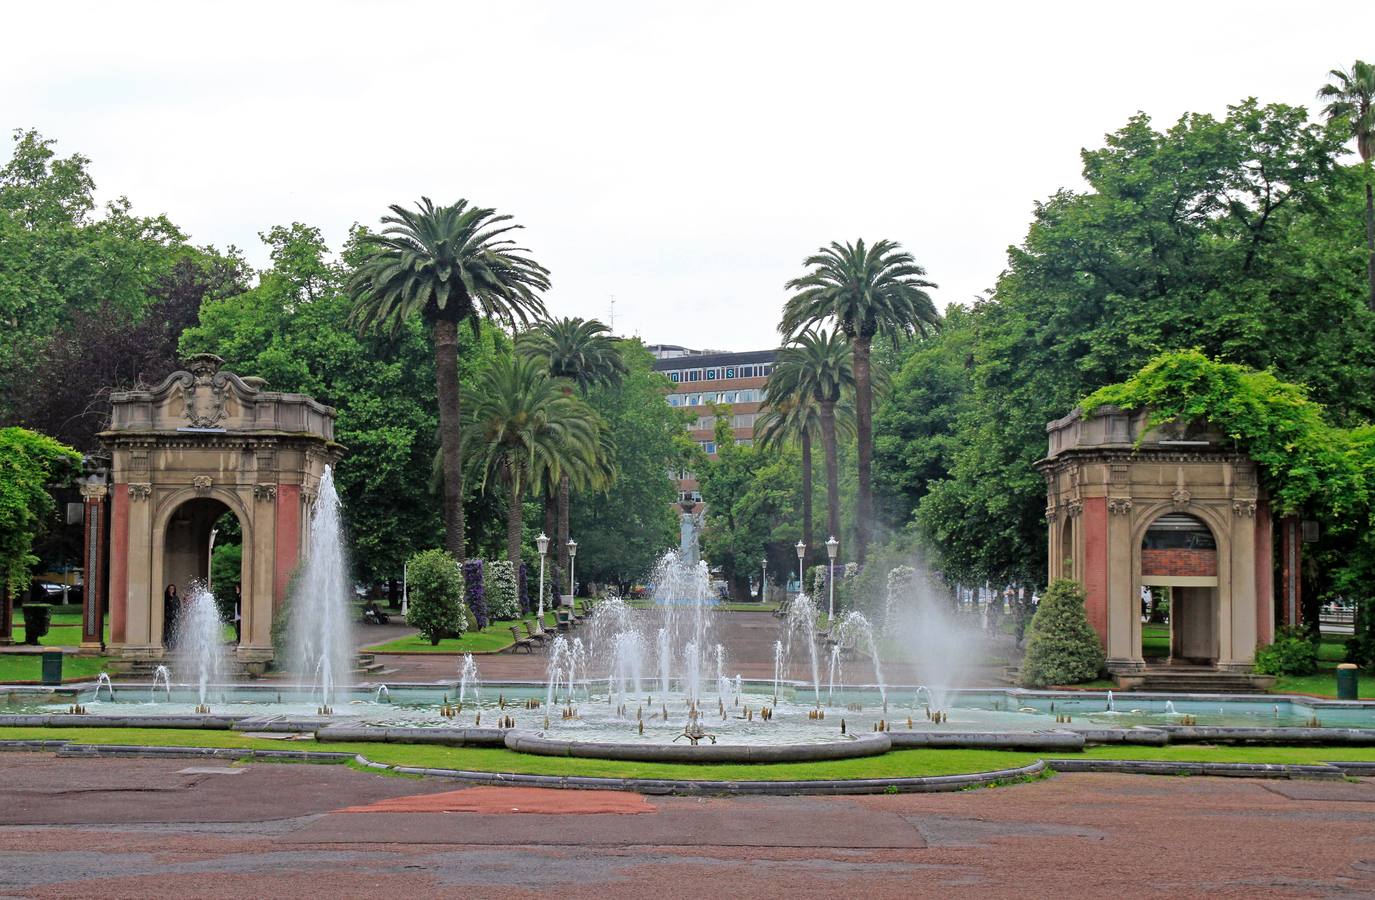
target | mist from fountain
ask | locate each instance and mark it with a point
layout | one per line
(200, 640)
(852, 629)
(321, 633)
(802, 616)
(926, 633)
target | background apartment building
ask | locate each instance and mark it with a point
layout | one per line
(702, 378)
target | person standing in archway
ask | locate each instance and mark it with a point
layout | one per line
(238, 613)
(171, 609)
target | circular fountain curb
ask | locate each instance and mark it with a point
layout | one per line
(863, 745)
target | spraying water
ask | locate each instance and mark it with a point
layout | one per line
(802, 615)
(321, 634)
(468, 680)
(200, 641)
(162, 675)
(103, 681)
(778, 657)
(854, 628)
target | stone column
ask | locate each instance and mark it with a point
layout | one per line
(1291, 564)
(119, 562)
(93, 595)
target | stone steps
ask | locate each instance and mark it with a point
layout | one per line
(1195, 681)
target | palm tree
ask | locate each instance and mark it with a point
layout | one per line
(867, 291)
(526, 430)
(449, 264)
(583, 353)
(1351, 98)
(817, 370)
(796, 419)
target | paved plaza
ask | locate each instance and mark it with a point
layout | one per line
(176, 828)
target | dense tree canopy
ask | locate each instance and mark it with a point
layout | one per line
(29, 464)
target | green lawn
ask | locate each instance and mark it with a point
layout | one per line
(897, 764)
(28, 667)
(492, 639)
(1155, 640)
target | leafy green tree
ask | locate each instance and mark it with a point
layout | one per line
(29, 464)
(524, 427)
(867, 291)
(435, 590)
(1218, 233)
(622, 530)
(1351, 101)
(582, 353)
(751, 500)
(70, 276)
(381, 386)
(1062, 647)
(448, 265)
(914, 436)
(818, 366)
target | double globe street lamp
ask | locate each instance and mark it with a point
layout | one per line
(832, 545)
(542, 542)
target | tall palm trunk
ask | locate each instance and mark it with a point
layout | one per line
(515, 521)
(828, 440)
(807, 487)
(550, 513)
(864, 430)
(1370, 237)
(450, 432)
(564, 495)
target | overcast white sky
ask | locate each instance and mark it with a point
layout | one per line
(681, 158)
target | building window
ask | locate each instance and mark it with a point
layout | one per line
(708, 446)
(673, 377)
(730, 372)
(711, 374)
(694, 375)
(730, 396)
(674, 400)
(744, 442)
(765, 370)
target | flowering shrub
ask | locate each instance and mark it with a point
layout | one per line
(474, 593)
(502, 603)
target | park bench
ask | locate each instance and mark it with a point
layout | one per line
(539, 635)
(522, 643)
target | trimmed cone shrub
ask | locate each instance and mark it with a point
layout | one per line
(475, 593)
(436, 596)
(1062, 647)
(502, 603)
(1292, 653)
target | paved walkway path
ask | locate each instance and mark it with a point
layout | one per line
(173, 828)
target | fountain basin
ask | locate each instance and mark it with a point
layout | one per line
(540, 744)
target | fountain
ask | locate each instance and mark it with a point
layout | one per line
(161, 675)
(103, 681)
(853, 628)
(321, 635)
(383, 694)
(200, 641)
(802, 616)
(468, 680)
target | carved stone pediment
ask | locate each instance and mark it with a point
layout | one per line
(202, 483)
(1119, 506)
(140, 490)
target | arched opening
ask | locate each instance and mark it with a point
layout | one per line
(1067, 549)
(1179, 597)
(202, 542)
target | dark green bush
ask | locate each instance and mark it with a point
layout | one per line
(1292, 653)
(1061, 647)
(436, 596)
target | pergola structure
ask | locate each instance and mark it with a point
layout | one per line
(202, 443)
(1177, 506)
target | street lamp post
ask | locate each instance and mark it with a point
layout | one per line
(801, 552)
(763, 580)
(405, 589)
(542, 542)
(572, 569)
(832, 545)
